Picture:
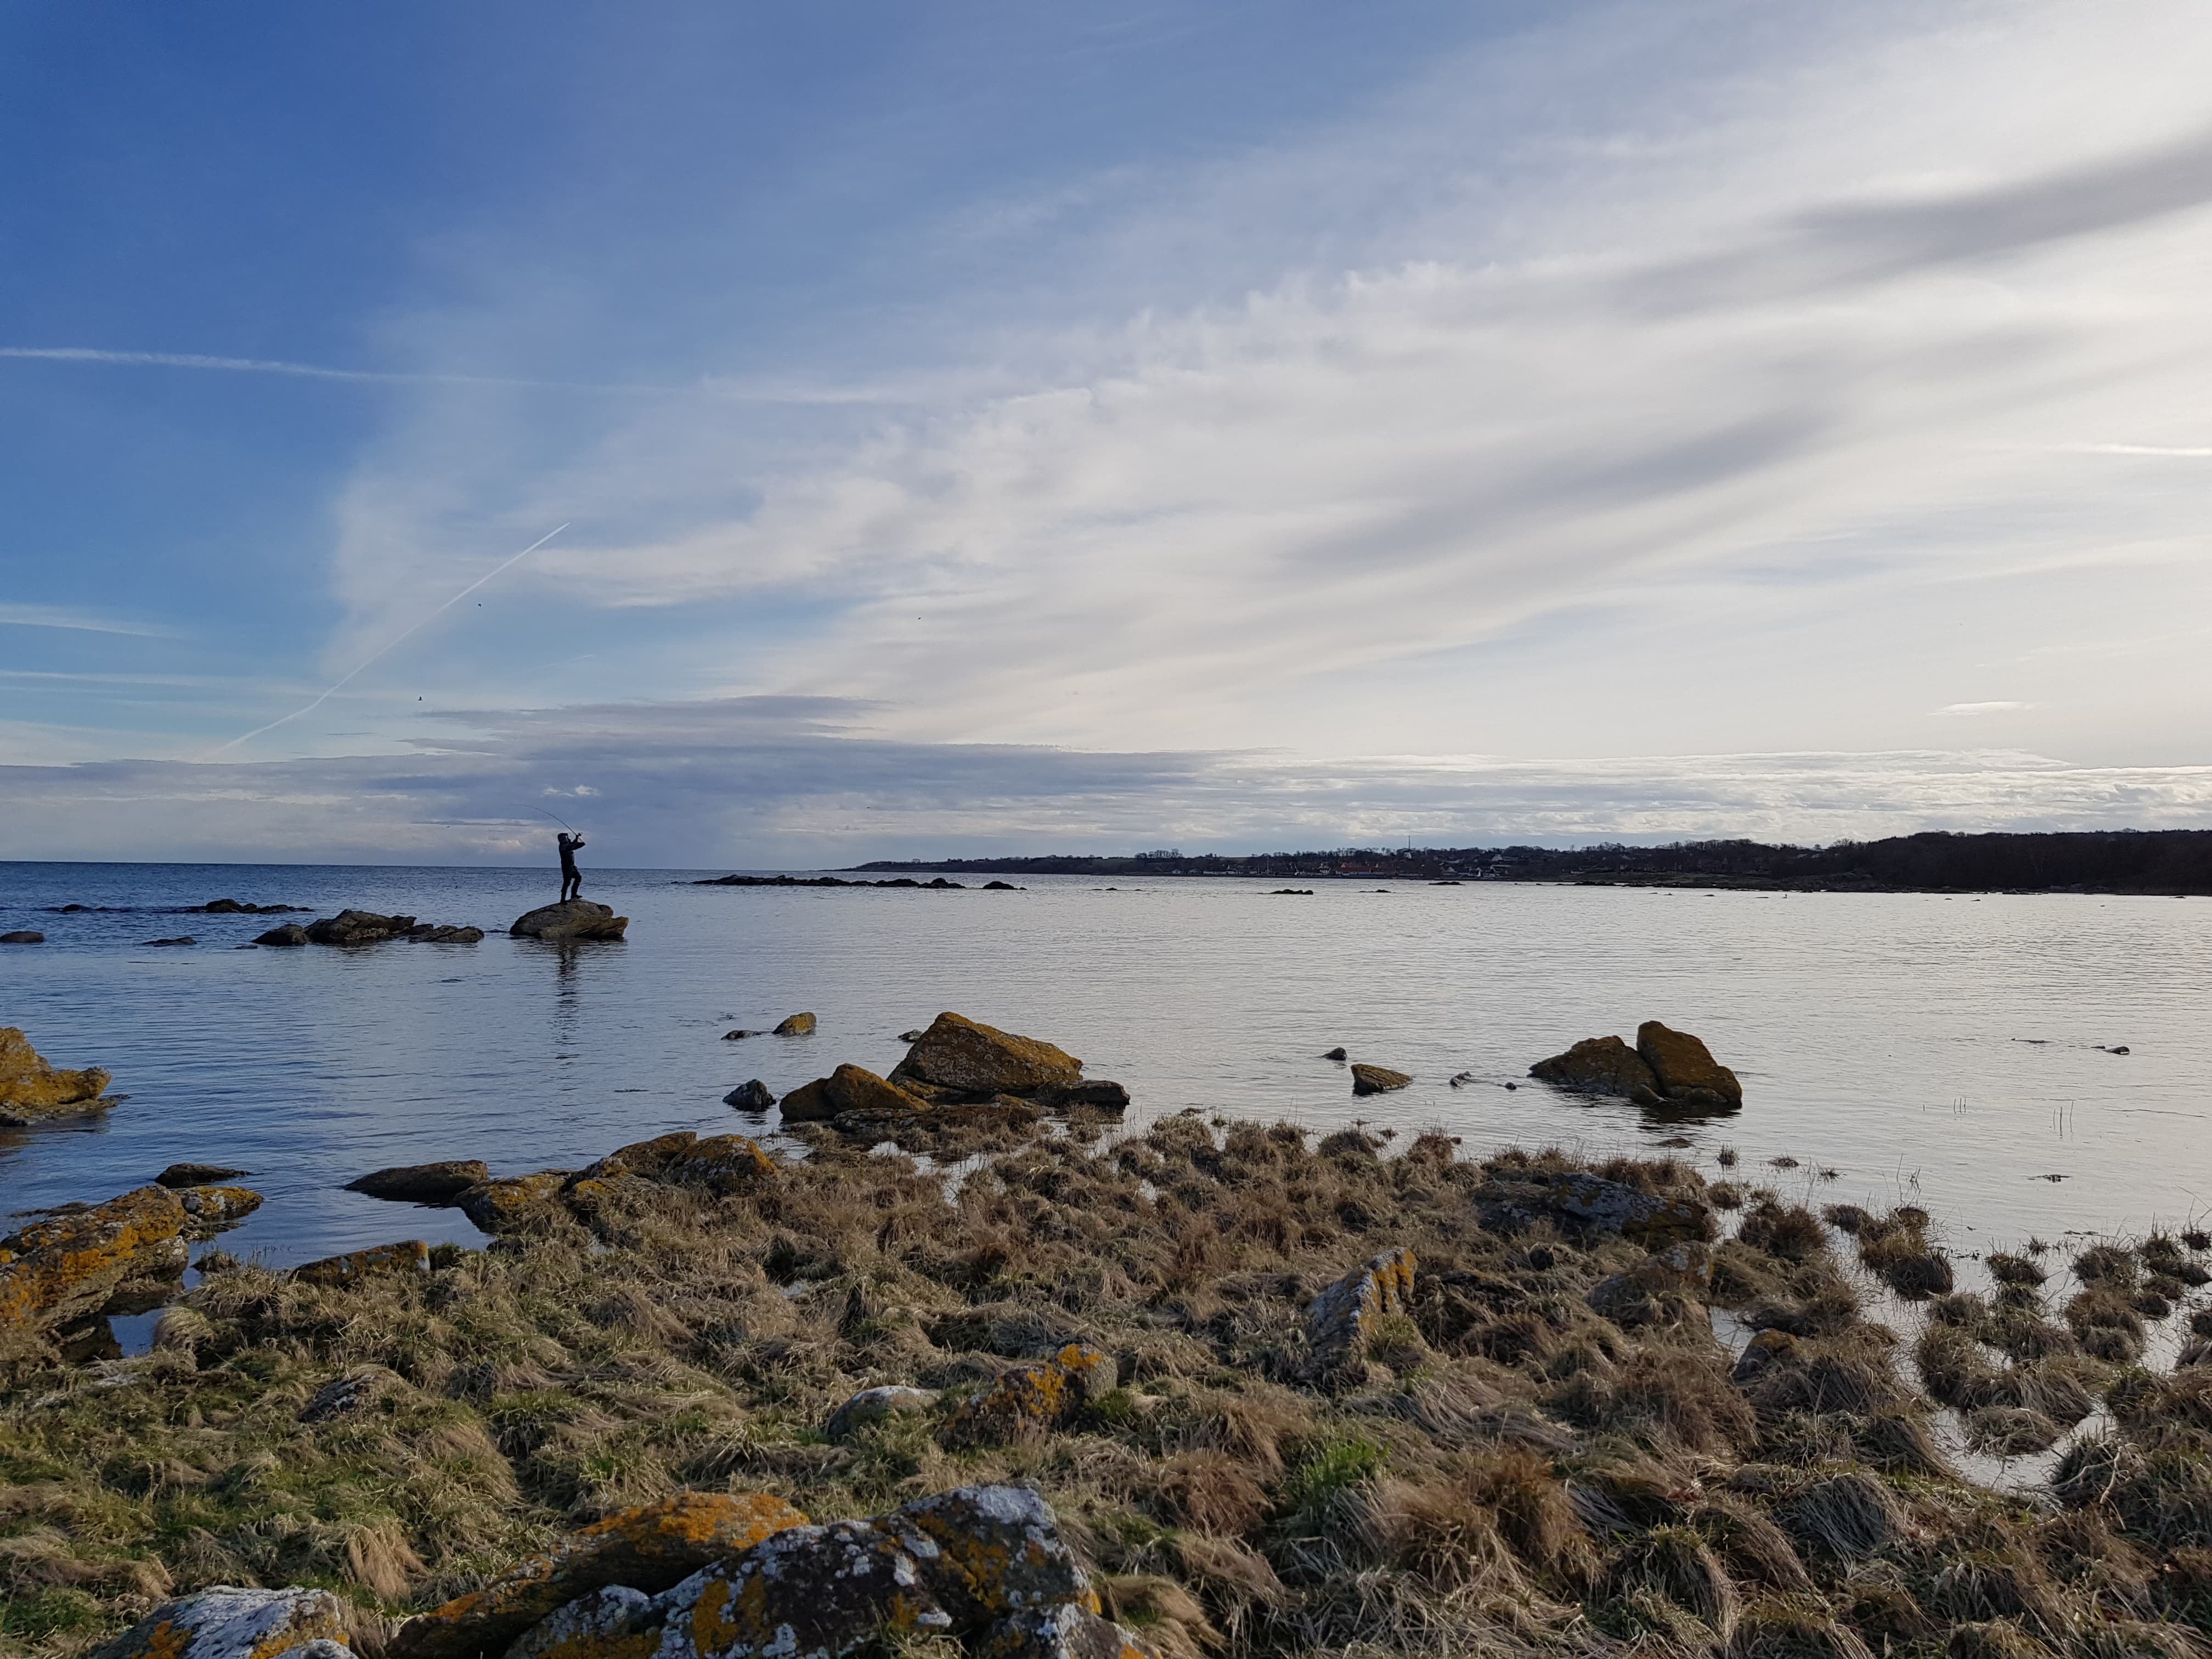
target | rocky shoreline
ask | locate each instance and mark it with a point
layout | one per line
(1217, 1388)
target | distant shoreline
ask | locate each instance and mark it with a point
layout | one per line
(2156, 863)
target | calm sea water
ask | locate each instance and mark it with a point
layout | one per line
(1943, 1051)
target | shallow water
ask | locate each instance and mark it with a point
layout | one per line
(1942, 1051)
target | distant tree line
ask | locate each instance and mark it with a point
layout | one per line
(2118, 861)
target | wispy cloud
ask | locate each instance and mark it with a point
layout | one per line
(84, 622)
(1997, 708)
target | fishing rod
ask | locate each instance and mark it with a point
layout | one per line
(556, 818)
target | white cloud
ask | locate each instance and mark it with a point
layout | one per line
(1999, 708)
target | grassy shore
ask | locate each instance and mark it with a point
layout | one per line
(1503, 1469)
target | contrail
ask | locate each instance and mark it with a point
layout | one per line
(718, 391)
(386, 650)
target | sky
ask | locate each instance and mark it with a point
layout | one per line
(780, 435)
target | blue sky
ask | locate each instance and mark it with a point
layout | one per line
(988, 425)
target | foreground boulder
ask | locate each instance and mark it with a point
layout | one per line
(31, 1090)
(648, 1549)
(720, 1164)
(226, 1623)
(67, 1266)
(441, 1183)
(1341, 1319)
(511, 1203)
(1030, 1402)
(353, 927)
(1575, 1202)
(1665, 1068)
(569, 921)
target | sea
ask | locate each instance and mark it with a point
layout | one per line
(2023, 1066)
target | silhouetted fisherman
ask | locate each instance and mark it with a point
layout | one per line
(572, 880)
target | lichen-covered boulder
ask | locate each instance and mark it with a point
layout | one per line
(616, 1622)
(211, 1210)
(875, 1406)
(955, 1053)
(651, 1548)
(1665, 1286)
(1687, 1072)
(1598, 1065)
(1581, 1203)
(68, 1266)
(31, 1089)
(422, 1183)
(1376, 1079)
(1065, 1632)
(795, 1026)
(987, 1552)
(808, 1591)
(226, 1623)
(512, 1203)
(569, 921)
(408, 1256)
(720, 1164)
(848, 1089)
(1342, 1317)
(357, 927)
(1031, 1400)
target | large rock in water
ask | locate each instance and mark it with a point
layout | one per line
(650, 1548)
(355, 927)
(226, 1623)
(422, 1183)
(961, 1053)
(567, 921)
(1376, 1079)
(848, 1089)
(68, 1266)
(1598, 1065)
(31, 1089)
(1687, 1072)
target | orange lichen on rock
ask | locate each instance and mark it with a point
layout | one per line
(649, 1548)
(30, 1088)
(1033, 1400)
(956, 1053)
(62, 1267)
(226, 1623)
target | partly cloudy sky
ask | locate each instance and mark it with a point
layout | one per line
(988, 427)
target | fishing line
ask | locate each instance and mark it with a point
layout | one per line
(386, 650)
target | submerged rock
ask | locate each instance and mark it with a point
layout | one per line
(961, 1053)
(354, 927)
(424, 934)
(1031, 1400)
(290, 933)
(1376, 1079)
(1598, 1065)
(571, 921)
(66, 1266)
(753, 1096)
(651, 1548)
(227, 1623)
(441, 1183)
(409, 1255)
(23, 936)
(31, 1089)
(196, 1175)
